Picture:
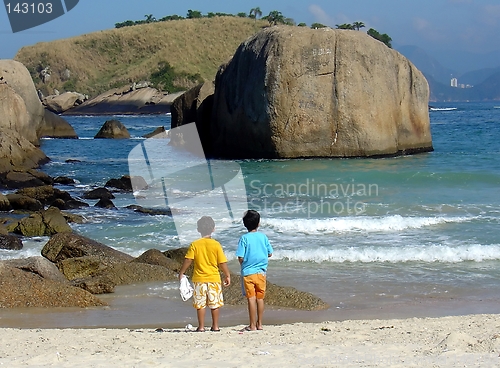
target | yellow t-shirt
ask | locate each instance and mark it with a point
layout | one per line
(206, 254)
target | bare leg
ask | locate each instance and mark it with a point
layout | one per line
(201, 319)
(252, 313)
(215, 319)
(260, 313)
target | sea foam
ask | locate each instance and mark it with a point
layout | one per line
(357, 224)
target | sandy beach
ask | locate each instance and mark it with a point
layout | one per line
(472, 340)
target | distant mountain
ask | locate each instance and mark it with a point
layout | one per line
(488, 90)
(427, 64)
(463, 61)
(485, 81)
(478, 76)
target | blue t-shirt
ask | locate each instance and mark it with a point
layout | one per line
(255, 249)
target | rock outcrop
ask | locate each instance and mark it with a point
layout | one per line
(69, 245)
(113, 129)
(24, 120)
(292, 92)
(55, 127)
(127, 100)
(43, 223)
(19, 288)
(17, 77)
(194, 106)
(63, 102)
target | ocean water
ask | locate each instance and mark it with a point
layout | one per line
(403, 236)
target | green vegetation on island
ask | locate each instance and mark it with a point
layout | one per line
(274, 17)
(173, 52)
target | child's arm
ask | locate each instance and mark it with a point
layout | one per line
(185, 266)
(227, 276)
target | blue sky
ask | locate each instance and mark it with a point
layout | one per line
(464, 25)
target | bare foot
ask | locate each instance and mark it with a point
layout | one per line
(247, 328)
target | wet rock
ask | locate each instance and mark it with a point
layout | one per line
(95, 285)
(64, 180)
(15, 179)
(125, 183)
(4, 203)
(156, 257)
(40, 266)
(43, 223)
(149, 211)
(10, 242)
(113, 129)
(136, 272)
(159, 132)
(46, 194)
(278, 296)
(80, 267)
(69, 245)
(105, 203)
(99, 193)
(19, 288)
(22, 202)
(54, 126)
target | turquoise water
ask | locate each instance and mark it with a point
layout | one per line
(363, 234)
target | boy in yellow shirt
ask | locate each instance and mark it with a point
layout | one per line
(208, 256)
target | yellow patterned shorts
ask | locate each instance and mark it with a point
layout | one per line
(207, 294)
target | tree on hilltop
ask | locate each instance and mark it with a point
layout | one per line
(344, 26)
(317, 25)
(255, 13)
(191, 14)
(381, 37)
(358, 25)
(274, 17)
(150, 18)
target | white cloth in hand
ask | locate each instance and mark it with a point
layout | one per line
(185, 288)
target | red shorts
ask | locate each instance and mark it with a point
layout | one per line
(255, 285)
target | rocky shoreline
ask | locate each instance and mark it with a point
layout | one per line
(72, 269)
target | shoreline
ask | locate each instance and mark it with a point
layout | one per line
(158, 305)
(444, 342)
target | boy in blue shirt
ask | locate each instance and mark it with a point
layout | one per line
(253, 253)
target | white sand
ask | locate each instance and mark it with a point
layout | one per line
(429, 342)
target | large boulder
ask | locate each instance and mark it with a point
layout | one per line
(195, 106)
(69, 245)
(17, 153)
(62, 102)
(24, 203)
(21, 116)
(113, 129)
(54, 126)
(19, 288)
(19, 178)
(296, 92)
(38, 265)
(43, 223)
(46, 194)
(19, 79)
